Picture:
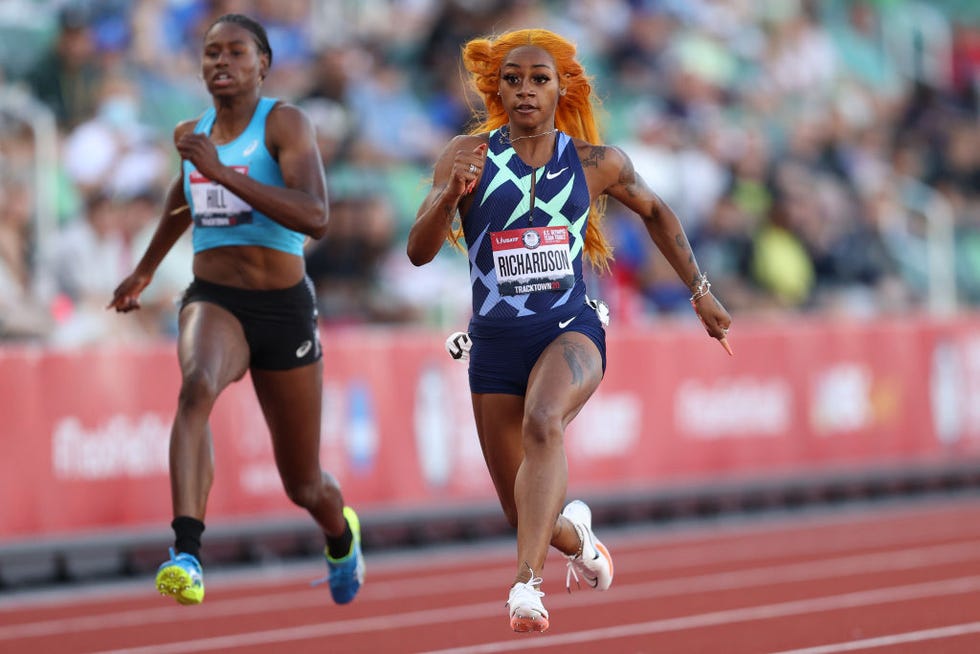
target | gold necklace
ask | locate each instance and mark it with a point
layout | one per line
(506, 135)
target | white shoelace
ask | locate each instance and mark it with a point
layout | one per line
(570, 572)
(525, 589)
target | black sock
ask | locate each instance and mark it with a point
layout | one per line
(188, 535)
(339, 547)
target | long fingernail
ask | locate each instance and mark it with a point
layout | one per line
(724, 344)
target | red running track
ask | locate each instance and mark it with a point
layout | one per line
(896, 578)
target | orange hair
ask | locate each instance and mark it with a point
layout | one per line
(575, 114)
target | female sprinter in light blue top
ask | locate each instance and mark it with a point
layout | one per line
(526, 185)
(252, 186)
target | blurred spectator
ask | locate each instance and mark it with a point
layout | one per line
(859, 43)
(453, 22)
(750, 171)
(902, 233)
(781, 265)
(164, 26)
(968, 260)
(966, 62)
(801, 59)
(288, 28)
(329, 78)
(448, 104)
(394, 128)
(957, 167)
(724, 246)
(159, 301)
(334, 129)
(87, 259)
(346, 264)
(686, 176)
(638, 54)
(114, 150)
(794, 139)
(68, 75)
(22, 315)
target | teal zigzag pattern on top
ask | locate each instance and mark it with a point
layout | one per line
(550, 207)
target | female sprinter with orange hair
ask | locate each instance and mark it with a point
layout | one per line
(527, 184)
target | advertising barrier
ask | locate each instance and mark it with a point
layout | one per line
(86, 433)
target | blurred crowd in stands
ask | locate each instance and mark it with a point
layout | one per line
(816, 150)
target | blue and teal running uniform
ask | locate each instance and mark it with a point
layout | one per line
(525, 234)
(525, 250)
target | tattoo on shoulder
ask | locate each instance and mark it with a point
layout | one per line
(627, 174)
(597, 153)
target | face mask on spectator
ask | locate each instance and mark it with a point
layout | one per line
(118, 111)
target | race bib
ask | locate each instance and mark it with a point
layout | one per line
(532, 259)
(216, 206)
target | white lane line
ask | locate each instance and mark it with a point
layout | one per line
(439, 616)
(769, 575)
(670, 550)
(797, 607)
(894, 639)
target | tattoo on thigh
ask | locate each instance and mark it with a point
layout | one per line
(577, 358)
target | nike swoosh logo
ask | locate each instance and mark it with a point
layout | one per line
(556, 174)
(303, 349)
(251, 148)
(565, 323)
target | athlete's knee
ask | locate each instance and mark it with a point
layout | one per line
(306, 493)
(542, 426)
(199, 387)
(311, 493)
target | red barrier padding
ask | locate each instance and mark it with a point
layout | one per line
(85, 433)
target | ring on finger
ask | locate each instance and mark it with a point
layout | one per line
(472, 168)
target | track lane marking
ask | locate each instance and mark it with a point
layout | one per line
(877, 596)
(666, 550)
(894, 639)
(837, 567)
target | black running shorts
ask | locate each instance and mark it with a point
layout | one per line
(280, 325)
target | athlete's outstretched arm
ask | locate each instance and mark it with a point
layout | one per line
(173, 223)
(665, 229)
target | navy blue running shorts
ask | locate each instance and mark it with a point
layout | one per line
(504, 353)
(280, 325)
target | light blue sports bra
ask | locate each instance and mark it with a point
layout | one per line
(221, 218)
